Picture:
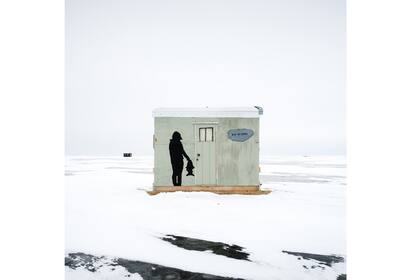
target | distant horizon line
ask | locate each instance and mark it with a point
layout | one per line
(151, 155)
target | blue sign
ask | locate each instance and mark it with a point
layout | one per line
(240, 134)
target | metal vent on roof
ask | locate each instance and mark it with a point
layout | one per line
(260, 110)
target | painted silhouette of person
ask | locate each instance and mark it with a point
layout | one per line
(176, 150)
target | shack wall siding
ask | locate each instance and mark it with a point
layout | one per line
(237, 163)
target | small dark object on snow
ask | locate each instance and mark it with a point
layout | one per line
(128, 154)
(190, 168)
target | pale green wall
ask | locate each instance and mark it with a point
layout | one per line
(237, 162)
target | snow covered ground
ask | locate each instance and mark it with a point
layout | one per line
(109, 213)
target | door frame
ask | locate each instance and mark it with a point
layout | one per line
(196, 125)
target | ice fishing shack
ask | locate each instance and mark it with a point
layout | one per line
(207, 149)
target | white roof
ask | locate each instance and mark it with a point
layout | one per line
(206, 112)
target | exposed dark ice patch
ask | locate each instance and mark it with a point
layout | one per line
(218, 248)
(86, 261)
(147, 271)
(342, 277)
(322, 259)
(150, 271)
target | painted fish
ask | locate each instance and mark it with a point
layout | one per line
(190, 168)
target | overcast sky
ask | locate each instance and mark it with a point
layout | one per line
(126, 57)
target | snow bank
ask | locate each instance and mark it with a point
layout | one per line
(109, 213)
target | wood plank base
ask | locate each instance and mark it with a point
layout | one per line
(247, 190)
